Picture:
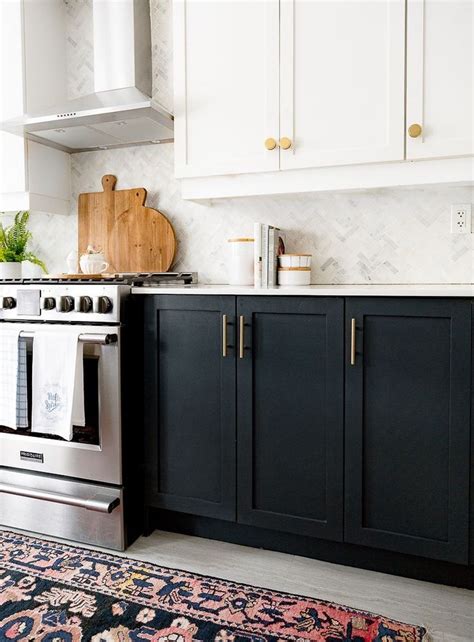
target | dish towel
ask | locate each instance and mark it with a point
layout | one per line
(22, 387)
(78, 411)
(56, 369)
(13, 379)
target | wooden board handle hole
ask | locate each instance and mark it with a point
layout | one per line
(108, 182)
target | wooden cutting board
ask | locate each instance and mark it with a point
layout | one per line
(132, 237)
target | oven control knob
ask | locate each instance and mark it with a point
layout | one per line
(8, 303)
(65, 304)
(86, 304)
(49, 303)
(104, 305)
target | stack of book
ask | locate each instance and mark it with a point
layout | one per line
(267, 240)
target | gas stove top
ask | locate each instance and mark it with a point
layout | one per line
(78, 299)
(133, 279)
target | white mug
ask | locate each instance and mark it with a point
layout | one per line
(93, 264)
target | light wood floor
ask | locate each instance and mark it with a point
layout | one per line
(447, 613)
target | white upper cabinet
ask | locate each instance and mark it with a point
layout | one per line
(440, 78)
(336, 83)
(342, 81)
(32, 176)
(226, 58)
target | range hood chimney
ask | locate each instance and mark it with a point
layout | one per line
(120, 112)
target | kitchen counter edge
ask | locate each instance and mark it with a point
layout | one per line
(431, 290)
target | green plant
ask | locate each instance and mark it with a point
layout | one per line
(14, 239)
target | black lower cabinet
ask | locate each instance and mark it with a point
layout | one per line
(471, 543)
(316, 418)
(190, 405)
(290, 414)
(408, 426)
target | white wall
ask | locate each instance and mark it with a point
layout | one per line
(381, 236)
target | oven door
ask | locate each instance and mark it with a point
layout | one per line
(95, 452)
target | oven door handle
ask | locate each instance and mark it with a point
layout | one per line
(86, 337)
(100, 502)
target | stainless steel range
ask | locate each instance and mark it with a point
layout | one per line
(83, 489)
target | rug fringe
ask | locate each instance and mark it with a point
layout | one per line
(426, 636)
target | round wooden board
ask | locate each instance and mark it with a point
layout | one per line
(133, 237)
(142, 240)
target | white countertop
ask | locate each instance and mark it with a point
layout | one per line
(441, 290)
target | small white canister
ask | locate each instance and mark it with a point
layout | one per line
(294, 276)
(294, 260)
(241, 261)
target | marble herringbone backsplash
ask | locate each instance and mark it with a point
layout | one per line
(378, 236)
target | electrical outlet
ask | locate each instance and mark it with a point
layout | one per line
(461, 218)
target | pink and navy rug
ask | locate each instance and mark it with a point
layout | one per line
(52, 592)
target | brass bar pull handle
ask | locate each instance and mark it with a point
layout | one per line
(353, 342)
(224, 335)
(241, 336)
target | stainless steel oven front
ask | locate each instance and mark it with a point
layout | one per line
(69, 489)
(95, 452)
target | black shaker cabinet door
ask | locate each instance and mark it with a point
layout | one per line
(290, 414)
(190, 404)
(407, 426)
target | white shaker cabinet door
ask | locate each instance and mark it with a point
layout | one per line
(342, 81)
(226, 68)
(440, 78)
(32, 176)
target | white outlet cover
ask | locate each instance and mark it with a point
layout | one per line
(461, 218)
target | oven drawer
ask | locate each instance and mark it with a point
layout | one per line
(69, 509)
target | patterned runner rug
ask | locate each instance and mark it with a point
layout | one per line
(58, 593)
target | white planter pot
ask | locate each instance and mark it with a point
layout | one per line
(30, 270)
(10, 270)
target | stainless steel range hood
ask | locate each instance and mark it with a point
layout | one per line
(120, 112)
(103, 120)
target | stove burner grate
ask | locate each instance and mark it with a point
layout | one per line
(135, 279)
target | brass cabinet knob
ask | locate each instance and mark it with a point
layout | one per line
(415, 130)
(285, 143)
(270, 143)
